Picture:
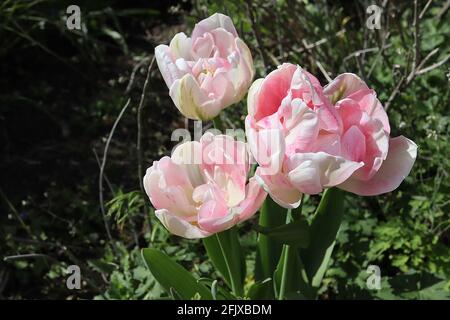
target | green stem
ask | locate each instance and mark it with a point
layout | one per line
(289, 253)
(284, 276)
(218, 123)
(235, 283)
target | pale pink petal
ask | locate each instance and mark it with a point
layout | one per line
(215, 21)
(311, 172)
(353, 144)
(241, 75)
(377, 146)
(396, 167)
(266, 145)
(224, 41)
(168, 186)
(225, 162)
(342, 86)
(179, 226)
(329, 118)
(166, 65)
(252, 97)
(203, 46)
(190, 99)
(273, 89)
(327, 142)
(214, 215)
(181, 46)
(254, 198)
(351, 114)
(368, 102)
(188, 157)
(303, 127)
(280, 189)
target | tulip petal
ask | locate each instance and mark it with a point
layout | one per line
(311, 172)
(241, 76)
(203, 46)
(368, 102)
(253, 96)
(215, 21)
(302, 124)
(179, 226)
(166, 64)
(273, 90)
(353, 144)
(254, 198)
(191, 100)
(342, 86)
(398, 164)
(266, 145)
(328, 143)
(180, 46)
(280, 189)
(169, 187)
(214, 215)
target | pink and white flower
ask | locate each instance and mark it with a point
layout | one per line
(306, 138)
(202, 188)
(365, 137)
(208, 71)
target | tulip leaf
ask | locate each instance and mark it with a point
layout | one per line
(259, 290)
(268, 250)
(215, 255)
(227, 256)
(295, 234)
(297, 285)
(176, 280)
(323, 230)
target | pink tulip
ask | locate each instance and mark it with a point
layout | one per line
(365, 138)
(202, 188)
(207, 72)
(304, 143)
(293, 133)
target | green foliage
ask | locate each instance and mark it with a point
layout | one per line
(125, 205)
(129, 278)
(173, 277)
(71, 85)
(268, 250)
(296, 233)
(226, 254)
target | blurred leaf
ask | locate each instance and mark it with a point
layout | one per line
(259, 290)
(268, 250)
(324, 228)
(173, 276)
(227, 242)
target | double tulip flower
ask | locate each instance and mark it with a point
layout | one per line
(207, 72)
(303, 136)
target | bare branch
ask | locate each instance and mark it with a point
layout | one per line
(422, 63)
(324, 72)
(28, 256)
(133, 74)
(140, 126)
(257, 35)
(102, 170)
(424, 10)
(416, 45)
(444, 10)
(394, 93)
(433, 66)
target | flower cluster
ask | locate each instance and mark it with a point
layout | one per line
(304, 137)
